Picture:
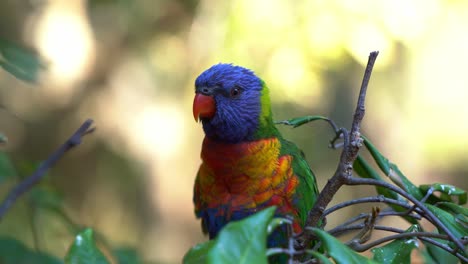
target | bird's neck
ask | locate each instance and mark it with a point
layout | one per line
(266, 126)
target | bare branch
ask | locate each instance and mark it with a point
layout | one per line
(365, 215)
(30, 181)
(424, 236)
(348, 155)
(372, 199)
(424, 211)
(446, 248)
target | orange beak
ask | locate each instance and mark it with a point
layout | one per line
(203, 106)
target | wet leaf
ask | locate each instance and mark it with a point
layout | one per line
(241, 241)
(84, 250)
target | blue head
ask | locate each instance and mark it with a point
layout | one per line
(228, 102)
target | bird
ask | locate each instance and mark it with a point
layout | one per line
(247, 165)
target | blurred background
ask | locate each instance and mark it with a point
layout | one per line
(131, 65)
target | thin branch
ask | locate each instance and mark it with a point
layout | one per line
(395, 213)
(372, 199)
(361, 247)
(424, 236)
(346, 226)
(348, 155)
(340, 133)
(382, 214)
(427, 214)
(463, 258)
(342, 229)
(345, 229)
(30, 181)
(423, 200)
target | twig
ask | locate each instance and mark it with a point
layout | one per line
(427, 214)
(425, 236)
(345, 229)
(372, 199)
(381, 215)
(463, 258)
(348, 155)
(30, 181)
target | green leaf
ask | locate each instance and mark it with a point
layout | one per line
(299, 121)
(339, 251)
(392, 171)
(447, 191)
(13, 251)
(363, 169)
(84, 250)
(275, 222)
(456, 209)
(127, 256)
(434, 254)
(20, 62)
(7, 170)
(18, 73)
(241, 241)
(45, 196)
(397, 251)
(319, 256)
(449, 220)
(200, 253)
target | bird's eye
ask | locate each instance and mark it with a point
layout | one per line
(235, 92)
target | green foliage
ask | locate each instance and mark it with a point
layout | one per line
(397, 251)
(455, 226)
(7, 170)
(245, 241)
(452, 215)
(14, 252)
(447, 192)
(44, 197)
(127, 256)
(20, 62)
(436, 255)
(363, 169)
(239, 242)
(392, 171)
(84, 250)
(339, 252)
(443, 200)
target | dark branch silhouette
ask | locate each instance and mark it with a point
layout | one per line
(415, 208)
(30, 181)
(352, 142)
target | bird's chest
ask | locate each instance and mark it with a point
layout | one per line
(243, 166)
(244, 176)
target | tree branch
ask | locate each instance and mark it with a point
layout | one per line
(352, 142)
(346, 226)
(372, 199)
(424, 236)
(424, 211)
(30, 181)
(382, 214)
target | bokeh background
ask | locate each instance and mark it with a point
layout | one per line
(131, 65)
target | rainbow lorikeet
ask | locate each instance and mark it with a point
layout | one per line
(247, 165)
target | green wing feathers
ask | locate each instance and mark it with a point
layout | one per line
(306, 191)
